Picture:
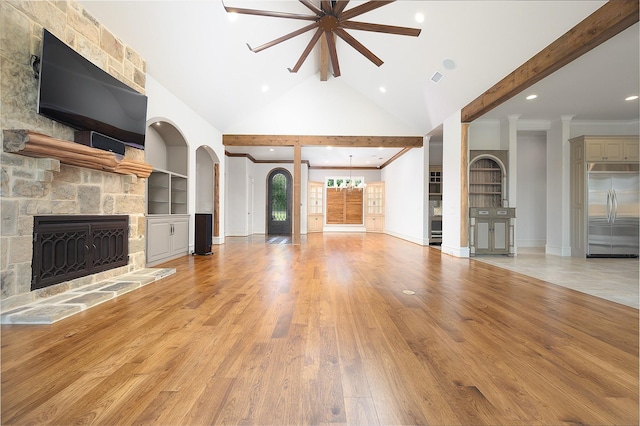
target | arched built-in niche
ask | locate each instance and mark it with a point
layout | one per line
(208, 186)
(487, 181)
(205, 179)
(167, 192)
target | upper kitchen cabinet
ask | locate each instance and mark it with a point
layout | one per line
(610, 148)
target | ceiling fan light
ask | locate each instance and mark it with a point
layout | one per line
(419, 17)
(631, 98)
(531, 97)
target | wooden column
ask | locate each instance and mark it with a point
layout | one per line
(216, 200)
(297, 178)
(464, 186)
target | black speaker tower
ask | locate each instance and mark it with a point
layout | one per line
(204, 229)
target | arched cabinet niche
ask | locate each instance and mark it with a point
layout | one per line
(491, 220)
(487, 182)
(167, 193)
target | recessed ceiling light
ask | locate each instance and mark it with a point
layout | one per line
(383, 89)
(419, 17)
(380, 148)
(329, 147)
(530, 97)
(232, 16)
(271, 149)
(631, 98)
(449, 64)
(265, 88)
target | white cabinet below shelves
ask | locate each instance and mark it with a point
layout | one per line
(491, 230)
(374, 223)
(315, 223)
(167, 237)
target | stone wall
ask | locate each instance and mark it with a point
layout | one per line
(30, 186)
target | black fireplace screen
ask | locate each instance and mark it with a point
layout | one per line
(68, 247)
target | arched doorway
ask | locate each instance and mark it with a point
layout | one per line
(279, 185)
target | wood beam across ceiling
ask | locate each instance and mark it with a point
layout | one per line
(611, 19)
(324, 59)
(335, 141)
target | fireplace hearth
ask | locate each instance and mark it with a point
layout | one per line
(72, 246)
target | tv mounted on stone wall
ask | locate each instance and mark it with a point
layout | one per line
(75, 92)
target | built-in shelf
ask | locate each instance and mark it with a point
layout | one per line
(166, 193)
(485, 183)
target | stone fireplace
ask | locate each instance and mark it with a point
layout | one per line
(33, 187)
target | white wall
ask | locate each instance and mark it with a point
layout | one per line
(163, 105)
(532, 188)
(236, 212)
(404, 197)
(485, 135)
(241, 172)
(581, 128)
(319, 175)
(451, 182)
(302, 112)
(204, 181)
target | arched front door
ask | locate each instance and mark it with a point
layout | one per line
(279, 202)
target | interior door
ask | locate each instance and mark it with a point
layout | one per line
(279, 202)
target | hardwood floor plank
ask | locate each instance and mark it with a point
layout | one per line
(323, 333)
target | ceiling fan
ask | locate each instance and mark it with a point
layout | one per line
(330, 19)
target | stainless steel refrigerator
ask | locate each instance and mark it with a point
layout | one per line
(614, 210)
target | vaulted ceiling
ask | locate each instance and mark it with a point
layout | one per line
(198, 53)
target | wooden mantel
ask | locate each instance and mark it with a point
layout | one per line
(33, 144)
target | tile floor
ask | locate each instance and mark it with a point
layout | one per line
(616, 280)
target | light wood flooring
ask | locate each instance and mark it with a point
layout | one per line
(345, 328)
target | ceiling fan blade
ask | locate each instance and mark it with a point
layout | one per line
(326, 6)
(283, 38)
(333, 53)
(269, 13)
(306, 51)
(339, 6)
(379, 28)
(358, 46)
(315, 9)
(363, 8)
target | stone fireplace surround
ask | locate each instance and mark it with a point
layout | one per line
(32, 186)
(47, 186)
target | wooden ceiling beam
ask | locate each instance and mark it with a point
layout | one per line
(611, 19)
(335, 141)
(324, 59)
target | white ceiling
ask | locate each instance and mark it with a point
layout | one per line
(197, 53)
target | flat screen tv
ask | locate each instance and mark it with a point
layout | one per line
(75, 92)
